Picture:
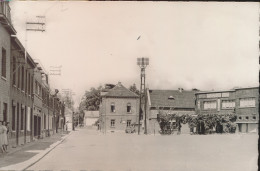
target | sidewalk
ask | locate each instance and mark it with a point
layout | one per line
(21, 157)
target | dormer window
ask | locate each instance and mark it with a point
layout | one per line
(171, 98)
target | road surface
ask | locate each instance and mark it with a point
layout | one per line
(88, 150)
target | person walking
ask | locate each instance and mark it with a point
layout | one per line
(5, 140)
(2, 137)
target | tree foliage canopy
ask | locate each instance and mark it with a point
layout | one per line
(210, 120)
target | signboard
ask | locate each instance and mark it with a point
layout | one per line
(213, 95)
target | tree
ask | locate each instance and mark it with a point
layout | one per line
(134, 89)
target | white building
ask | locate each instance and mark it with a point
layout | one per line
(91, 117)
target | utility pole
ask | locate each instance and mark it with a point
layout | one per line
(142, 63)
(69, 93)
(38, 25)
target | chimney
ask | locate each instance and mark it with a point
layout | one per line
(119, 84)
(180, 90)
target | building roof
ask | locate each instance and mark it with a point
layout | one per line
(120, 91)
(231, 90)
(91, 114)
(172, 98)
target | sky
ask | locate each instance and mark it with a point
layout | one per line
(199, 45)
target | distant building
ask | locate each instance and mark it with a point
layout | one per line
(243, 102)
(178, 102)
(119, 109)
(68, 118)
(91, 117)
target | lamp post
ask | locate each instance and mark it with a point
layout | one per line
(142, 63)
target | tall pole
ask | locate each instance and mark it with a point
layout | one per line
(143, 63)
(140, 105)
(145, 124)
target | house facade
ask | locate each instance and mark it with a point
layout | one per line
(119, 109)
(21, 95)
(91, 117)
(178, 102)
(242, 102)
(6, 30)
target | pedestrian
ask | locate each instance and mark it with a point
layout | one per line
(199, 127)
(2, 137)
(202, 127)
(5, 140)
(179, 128)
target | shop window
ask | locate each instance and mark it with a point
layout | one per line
(210, 105)
(247, 102)
(228, 104)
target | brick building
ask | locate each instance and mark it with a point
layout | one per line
(119, 109)
(21, 91)
(177, 102)
(6, 30)
(243, 102)
(37, 104)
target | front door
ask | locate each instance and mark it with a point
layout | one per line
(17, 124)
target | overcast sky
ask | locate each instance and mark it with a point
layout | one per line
(190, 44)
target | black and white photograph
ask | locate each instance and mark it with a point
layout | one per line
(129, 85)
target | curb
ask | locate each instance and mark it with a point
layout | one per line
(26, 164)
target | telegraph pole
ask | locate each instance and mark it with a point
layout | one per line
(142, 63)
(38, 25)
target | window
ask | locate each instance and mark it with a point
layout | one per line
(22, 115)
(113, 108)
(254, 118)
(112, 124)
(31, 85)
(22, 78)
(19, 76)
(26, 79)
(247, 118)
(227, 104)
(13, 118)
(14, 70)
(128, 123)
(128, 108)
(239, 117)
(3, 63)
(5, 112)
(210, 105)
(247, 102)
(44, 120)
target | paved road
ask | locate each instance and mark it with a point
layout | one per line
(87, 150)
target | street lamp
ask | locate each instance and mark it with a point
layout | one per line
(142, 63)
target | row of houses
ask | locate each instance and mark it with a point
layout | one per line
(27, 102)
(119, 107)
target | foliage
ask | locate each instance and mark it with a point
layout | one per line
(226, 121)
(134, 89)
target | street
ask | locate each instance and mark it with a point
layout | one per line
(87, 149)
